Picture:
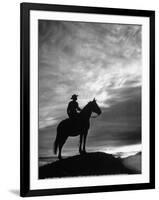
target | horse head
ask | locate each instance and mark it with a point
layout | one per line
(95, 107)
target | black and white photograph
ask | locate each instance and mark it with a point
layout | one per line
(87, 99)
(90, 82)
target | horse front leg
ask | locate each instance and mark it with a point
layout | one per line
(80, 144)
(84, 142)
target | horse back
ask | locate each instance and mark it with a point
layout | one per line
(72, 128)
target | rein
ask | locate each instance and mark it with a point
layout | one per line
(94, 116)
(88, 111)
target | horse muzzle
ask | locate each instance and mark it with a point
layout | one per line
(100, 112)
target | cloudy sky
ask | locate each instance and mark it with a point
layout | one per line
(92, 60)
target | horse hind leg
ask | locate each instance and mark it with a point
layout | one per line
(61, 143)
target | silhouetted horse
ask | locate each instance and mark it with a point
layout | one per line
(79, 126)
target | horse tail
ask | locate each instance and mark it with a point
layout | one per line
(55, 146)
(56, 143)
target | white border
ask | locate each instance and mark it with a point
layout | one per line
(36, 183)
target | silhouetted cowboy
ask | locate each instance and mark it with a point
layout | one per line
(73, 107)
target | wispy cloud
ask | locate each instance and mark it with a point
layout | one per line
(90, 59)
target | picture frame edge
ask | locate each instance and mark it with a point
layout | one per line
(25, 190)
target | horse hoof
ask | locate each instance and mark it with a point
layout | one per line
(82, 152)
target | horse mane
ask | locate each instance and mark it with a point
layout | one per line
(85, 107)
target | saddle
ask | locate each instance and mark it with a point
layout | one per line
(75, 122)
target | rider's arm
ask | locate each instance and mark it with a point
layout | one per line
(78, 108)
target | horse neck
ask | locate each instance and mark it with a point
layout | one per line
(86, 112)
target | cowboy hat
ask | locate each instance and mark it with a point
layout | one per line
(74, 96)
